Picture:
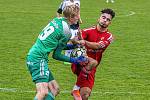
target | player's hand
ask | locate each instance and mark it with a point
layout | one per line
(80, 60)
(82, 42)
(103, 44)
(79, 34)
(74, 40)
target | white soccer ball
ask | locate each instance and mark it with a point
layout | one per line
(78, 52)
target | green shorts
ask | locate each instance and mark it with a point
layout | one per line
(39, 70)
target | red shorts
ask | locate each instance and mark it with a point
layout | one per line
(82, 81)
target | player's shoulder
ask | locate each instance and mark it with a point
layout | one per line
(108, 32)
(59, 19)
(58, 22)
(109, 36)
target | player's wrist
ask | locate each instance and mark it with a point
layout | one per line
(70, 46)
(80, 60)
(74, 60)
(82, 42)
(85, 43)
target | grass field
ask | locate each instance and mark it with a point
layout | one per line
(124, 73)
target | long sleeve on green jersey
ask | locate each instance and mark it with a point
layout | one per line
(70, 46)
(60, 47)
(58, 56)
(57, 52)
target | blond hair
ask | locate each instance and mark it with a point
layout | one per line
(71, 11)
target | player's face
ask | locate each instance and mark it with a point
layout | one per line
(75, 19)
(105, 20)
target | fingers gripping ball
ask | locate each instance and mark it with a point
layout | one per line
(78, 52)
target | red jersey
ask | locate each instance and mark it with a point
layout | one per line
(93, 35)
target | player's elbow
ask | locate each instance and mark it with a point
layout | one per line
(55, 56)
(95, 47)
(95, 63)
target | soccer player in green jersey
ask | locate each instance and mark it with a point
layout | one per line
(53, 37)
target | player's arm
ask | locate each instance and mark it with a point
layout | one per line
(70, 46)
(58, 56)
(74, 41)
(92, 45)
(80, 34)
(98, 45)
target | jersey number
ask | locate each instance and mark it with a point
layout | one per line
(46, 32)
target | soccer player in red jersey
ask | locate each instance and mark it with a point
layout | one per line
(96, 39)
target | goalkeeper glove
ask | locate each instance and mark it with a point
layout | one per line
(80, 60)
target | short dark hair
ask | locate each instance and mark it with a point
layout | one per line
(108, 11)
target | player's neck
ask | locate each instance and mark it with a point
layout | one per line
(68, 21)
(100, 29)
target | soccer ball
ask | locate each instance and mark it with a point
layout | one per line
(78, 52)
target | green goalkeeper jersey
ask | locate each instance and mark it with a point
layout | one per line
(53, 37)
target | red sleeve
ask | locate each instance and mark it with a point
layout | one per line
(105, 43)
(84, 34)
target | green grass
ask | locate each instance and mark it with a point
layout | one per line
(124, 70)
